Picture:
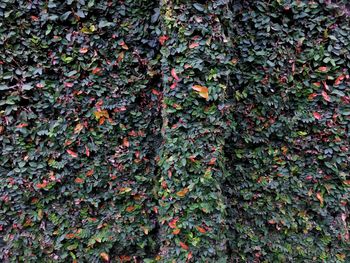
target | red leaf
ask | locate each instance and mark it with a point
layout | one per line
(173, 86)
(312, 96)
(323, 69)
(87, 151)
(174, 75)
(96, 71)
(155, 92)
(184, 246)
(162, 39)
(22, 125)
(326, 96)
(193, 45)
(73, 154)
(339, 80)
(325, 85)
(317, 115)
(68, 84)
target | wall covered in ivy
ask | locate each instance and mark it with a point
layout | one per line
(174, 131)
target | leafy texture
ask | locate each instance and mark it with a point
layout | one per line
(174, 131)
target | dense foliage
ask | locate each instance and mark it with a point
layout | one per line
(174, 131)
(288, 189)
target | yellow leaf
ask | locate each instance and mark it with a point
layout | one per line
(78, 128)
(88, 30)
(182, 192)
(202, 91)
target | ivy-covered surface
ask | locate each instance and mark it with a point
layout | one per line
(174, 131)
(288, 158)
(80, 129)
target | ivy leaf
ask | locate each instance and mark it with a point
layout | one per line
(104, 256)
(199, 7)
(73, 154)
(317, 115)
(320, 198)
(184, 246)
(201, 229)
(174, 75)
(193, 45)
(202, 91)
(323, 69)
(326, 96)
(182, 192)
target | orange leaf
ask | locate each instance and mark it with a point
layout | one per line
(42, 185)
(176, 231)
(326, 96)
(201, 229)
(89, 173)
(202, 91)
(79, 180)
(317, 115)
(323, 69)
(320, 198)
(123, 45)
(70, 236)
(347, 182)
(120, 57)
(212, 161)
(73, 154)
(193, 45)
(172, 223)
(78, 128)
(317, 84)
(104, 256)
(184, 246)
(126, 142)
(83, 50)
(182, 192)
(101, 113)
(174, 75)
(130, 208)
(312, 96)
